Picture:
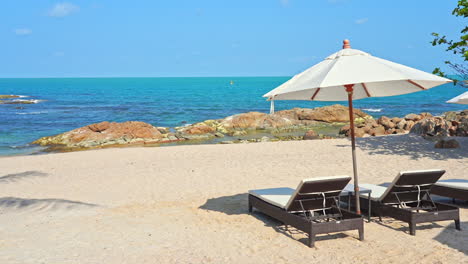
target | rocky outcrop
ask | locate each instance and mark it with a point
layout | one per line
(386, 125)
(108, 134)
(281, 121)
(450, 124)
(278, 125)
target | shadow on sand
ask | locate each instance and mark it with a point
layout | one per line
(454, 238)
(238, 205)
(15, 203)
(14, 177)
(410, 145)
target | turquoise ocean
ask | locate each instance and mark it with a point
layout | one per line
(63, 104)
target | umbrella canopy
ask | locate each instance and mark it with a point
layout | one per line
(461, 99)
(353, 74)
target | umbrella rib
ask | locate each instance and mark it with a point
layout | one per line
(316, 92)
(365, 89)
(417, 85)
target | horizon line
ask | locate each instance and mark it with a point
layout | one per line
(108, 77)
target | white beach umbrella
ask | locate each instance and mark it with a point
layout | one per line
(461, 99)
(353, 74)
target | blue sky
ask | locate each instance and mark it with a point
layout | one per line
(107, 38)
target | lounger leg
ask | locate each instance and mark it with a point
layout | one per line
(369, 208)
(361, 233)
(311, 239)
(412, 228)
(457, 224)
(250, 207)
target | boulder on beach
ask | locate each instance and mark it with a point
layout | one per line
(311, 134)
(447, 143)
(107, 133)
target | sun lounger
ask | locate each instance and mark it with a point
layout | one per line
(312, 207)
(407, 199)
(453, 188)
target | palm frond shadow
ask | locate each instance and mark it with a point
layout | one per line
(14, 177)
(21, 204)
(410, 145)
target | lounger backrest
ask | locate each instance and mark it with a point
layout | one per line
(310, 193)
(408, 185)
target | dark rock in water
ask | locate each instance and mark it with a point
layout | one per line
(10, 96)
(447, 143)
(18, 102)
(310, 135)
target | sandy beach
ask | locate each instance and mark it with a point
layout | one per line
(188, 204)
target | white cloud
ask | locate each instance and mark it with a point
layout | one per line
(23, 31)
(63, 9)
(361, 21)
(284, 2)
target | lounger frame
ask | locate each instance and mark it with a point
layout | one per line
(349, 220)
(446, 191)
(412, 216)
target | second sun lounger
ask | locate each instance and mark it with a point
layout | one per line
(312, 207)
(453, 188)
(407, 199)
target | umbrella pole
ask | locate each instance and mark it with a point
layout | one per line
(349, 89)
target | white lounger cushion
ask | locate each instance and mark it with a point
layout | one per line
(381, 192)
(454, 183)
(282, 197)
(275, 196)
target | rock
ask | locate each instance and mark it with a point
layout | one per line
(333, 113)
(386, 122)
(409, 124)
(310, 135)
(238, 133)
(198, 129)
(390, 131)
(451, 116)
(377, 131)
(413, 117)
(462, 128)
(218, 134)
(396, 120)
(265, 139)
(401, 124)
(425, 115)
(344, 130)
(104, 134)
(432, 126)
(99, 127)
(447, 143)
(400, 131)
(8, 102)
(359, 132)
(9, 96)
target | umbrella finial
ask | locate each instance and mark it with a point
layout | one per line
(346, 44)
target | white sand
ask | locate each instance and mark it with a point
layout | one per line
(188, 204)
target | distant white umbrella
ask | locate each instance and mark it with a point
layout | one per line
(353, 74)
(461, 99)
